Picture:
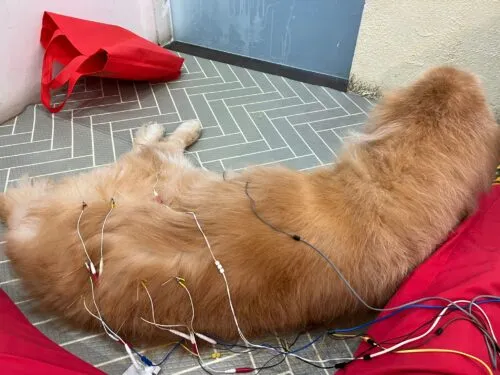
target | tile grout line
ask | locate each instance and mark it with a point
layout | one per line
(322, 140)
(249, 154)
(112, 112)
(315, 111)
(211, 84)
(336, 127)
(264, 101)
(34, 121)
(24, 143)
(338, 136)
(119, 91)
(225, 146)
(244, 96)
(202, 71)
(132, 137)
(353, 102)
(307, 144)
(173, 102)
(6, 181)
(192, 106)
(73, 135)
(77, 101)
(236, 122)
(10, 135)
(9, 281)
(256, 127)
(237, 78)
(52, 136)
(348, 349)
(316, 351)
(32, 152)
(288, 106)
(219, 360)
(216, 119)
(272, 84)
(335, 100)
(253, 79)
(156, 100)
(220, 75)
(66, 171)
(71, 342)
(24, 301)
(291, 88)
(93, 145)
(274, 161)
(213, 113)
(281, 136)
(137, 95)
(14, 125)
(322, 165)
(50, 162)
(315, 97)
(286, 356)
(41, 322)
(219, 91)
(112, 141)
(198, 79)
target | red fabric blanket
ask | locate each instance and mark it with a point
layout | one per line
(467, 265)
(25, 350)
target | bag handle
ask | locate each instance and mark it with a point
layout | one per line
(69, 74)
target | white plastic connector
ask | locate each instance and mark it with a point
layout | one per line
(180, 334)
(206, 338)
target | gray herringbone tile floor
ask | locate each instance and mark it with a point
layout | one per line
(248, 118)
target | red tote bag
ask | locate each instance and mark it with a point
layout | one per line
(92, 48)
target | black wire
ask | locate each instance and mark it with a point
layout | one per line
(265, 366)
(202, 366)
(290, 346)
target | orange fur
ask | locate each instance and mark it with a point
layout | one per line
(428, 152)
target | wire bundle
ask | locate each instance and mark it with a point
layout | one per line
(469, 310)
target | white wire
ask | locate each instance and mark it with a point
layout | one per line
(113, 335)
(405, 342)
(228, 291)
(101, 261)
(150, 301)
(80, 235)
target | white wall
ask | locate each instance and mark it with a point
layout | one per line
(400, 39)
(20, 22)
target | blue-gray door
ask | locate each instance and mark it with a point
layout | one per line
(313, 35)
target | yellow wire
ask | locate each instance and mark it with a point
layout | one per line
(189, 350)
(470, 356)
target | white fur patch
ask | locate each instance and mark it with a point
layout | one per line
(23, 228)
(148, 134)
(190, 125)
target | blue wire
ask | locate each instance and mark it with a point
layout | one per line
(364, 325)
(341, 330)
(148, 362)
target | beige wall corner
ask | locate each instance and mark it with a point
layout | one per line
(398, 40)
